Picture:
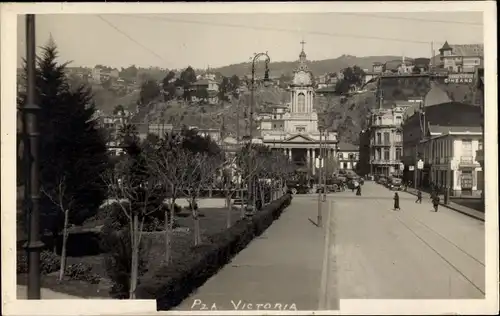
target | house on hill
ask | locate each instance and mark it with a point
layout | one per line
(461, 58)
(206, 89)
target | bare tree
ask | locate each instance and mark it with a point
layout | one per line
(133, 196)
(64, 202)
(171, 166)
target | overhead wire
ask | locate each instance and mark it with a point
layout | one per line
(409, 19)
(276, 29)
(131, 38)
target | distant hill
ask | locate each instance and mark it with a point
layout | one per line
(316, 66)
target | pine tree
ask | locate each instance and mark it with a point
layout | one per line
(72, 147)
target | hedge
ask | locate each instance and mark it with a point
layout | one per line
(171, 284)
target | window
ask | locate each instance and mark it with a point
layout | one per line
(340, 156)
(387, 154)
(398, 137)
(387, 138)
(398, 120)
(300, 129)
(399, 153)
(352, 157)
(378, 154)
(274, 125)
(379, 120)
(379, 138)
(466, 148)
(301, 101)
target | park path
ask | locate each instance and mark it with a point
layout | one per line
(281, 267)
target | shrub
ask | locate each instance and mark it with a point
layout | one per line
(49, 262)
(170, 284)
(116, 244)
(82, 272)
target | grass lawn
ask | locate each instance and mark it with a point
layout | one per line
(213, 220)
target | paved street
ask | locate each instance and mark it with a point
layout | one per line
(407, 254)
(373, 252)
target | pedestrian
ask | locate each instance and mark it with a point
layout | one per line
(419, 197)
(396, 201)
(435, 202)
(358, 191)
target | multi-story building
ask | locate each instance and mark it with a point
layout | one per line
(112, 125)
(273, 119)
(347, 156)
(386, 139)
(461, 58)
(445, 137)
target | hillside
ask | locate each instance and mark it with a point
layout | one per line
(345, 115)
(317, 66)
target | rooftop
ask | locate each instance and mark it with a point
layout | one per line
(347, 147)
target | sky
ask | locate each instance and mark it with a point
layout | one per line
(213, 40)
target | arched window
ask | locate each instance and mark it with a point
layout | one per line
(301, 103)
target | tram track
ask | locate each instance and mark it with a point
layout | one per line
(443, 257)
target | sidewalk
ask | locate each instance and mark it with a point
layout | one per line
(46, 294)
(453, 206)
(279, 270)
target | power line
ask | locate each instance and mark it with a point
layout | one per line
(278, 29)
(410, 19)
(131, 38)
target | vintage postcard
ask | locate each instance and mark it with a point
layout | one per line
(249, 158)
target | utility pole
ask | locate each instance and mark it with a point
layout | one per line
(34, 244)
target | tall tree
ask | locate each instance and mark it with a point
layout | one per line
(188, 75)
(234, 82)
(74, 154)
(224, 88)
(149, 91)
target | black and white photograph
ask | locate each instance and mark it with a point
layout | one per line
(249, 157)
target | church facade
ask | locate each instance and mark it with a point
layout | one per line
(294, 128)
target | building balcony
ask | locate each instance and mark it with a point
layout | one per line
(398, 143)
(468, 162)
(383, 125)
(385, 162)
(380, 144)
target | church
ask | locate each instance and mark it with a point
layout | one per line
(293, 128)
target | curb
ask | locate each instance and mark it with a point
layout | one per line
(470, 213)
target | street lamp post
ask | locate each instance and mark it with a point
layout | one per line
(34, 244)
(320, 176)
(251, 179)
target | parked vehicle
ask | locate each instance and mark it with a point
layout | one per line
(298, 187)
(396, 184)
(382, 180)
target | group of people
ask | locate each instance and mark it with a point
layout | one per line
(434, 198)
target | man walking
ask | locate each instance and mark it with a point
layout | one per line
(396, 202)
(419, 197)
(435, 202)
